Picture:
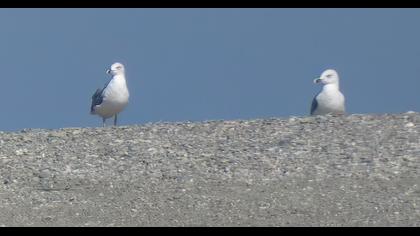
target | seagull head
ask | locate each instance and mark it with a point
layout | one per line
(328, 77)
(116, 69)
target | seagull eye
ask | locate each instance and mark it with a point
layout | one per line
(118, 67)
(329, 76)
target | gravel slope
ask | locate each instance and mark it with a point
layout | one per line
(358, 170)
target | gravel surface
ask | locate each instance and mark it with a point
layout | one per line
(357, 170)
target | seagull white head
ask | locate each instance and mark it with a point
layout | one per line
(116, 69)
(328, 77)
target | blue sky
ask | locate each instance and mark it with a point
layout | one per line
(203, 64)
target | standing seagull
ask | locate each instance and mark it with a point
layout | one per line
(330, 99)
(112, 99)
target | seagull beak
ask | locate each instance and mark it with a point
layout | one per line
(317, 80)
(108, 71)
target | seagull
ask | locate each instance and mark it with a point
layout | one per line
(113, 97)
(330, 99)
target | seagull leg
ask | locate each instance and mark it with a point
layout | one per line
(115, 120)
(103, 122)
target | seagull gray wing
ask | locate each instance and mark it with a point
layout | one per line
(314, 105)
(98, 97)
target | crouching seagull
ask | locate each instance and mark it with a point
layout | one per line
(330, 100)
(113, 97)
